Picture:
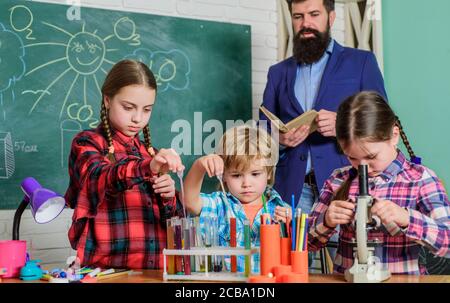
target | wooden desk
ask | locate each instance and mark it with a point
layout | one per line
(155, 276)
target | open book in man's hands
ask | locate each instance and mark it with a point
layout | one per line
(307, 118)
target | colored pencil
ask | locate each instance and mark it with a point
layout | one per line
(302, 232)
(288, 223)
(113, 275)
(264, 204)
(265, 219)
(293, 221)
(281, 229)
(305, 236)
(298, 221)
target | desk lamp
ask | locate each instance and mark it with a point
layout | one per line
(45, 204)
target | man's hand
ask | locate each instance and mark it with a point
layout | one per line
(326, 123)
(295, 136)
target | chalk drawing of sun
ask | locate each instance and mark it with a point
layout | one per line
(85, 55)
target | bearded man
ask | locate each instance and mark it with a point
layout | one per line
(320, 75)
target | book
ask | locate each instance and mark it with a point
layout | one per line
(307, 118)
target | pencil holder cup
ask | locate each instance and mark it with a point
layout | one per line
(280, 270)
(299, 263)
(285, 249)
(270, 247)
(12, 257)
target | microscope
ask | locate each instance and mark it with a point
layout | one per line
(366, 268)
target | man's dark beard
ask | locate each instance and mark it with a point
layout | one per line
(310, 50)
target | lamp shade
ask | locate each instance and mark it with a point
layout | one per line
(45, 204)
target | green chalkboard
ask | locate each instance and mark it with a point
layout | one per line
(52, 68)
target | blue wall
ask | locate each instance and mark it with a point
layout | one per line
(417, 76)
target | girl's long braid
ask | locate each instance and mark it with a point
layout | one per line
(344, 189)
(405, 140)
(105, 121)
(148, 141)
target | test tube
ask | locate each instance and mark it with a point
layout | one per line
(200, 242)
(186, 245)
(178, 245)
(170, 245)
(192, 240)
(233, 243)
(208, 240)
(247, 246)
(217, 260)
(213, 231)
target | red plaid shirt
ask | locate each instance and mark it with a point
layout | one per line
(118, 220)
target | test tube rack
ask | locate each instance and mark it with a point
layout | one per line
(205, 252)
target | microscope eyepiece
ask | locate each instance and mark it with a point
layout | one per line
(363, 180)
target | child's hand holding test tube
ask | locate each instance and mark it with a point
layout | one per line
(165, 160)
(213, 166)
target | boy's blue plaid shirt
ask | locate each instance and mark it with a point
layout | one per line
(215, 205)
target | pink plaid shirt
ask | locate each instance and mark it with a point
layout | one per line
(411, 186)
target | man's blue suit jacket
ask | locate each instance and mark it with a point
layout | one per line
(347, 72)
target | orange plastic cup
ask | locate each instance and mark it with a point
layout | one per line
(270, 247)
(261, 279)
(281, 270)
(294, 278)
(285, 246)
(299, 262)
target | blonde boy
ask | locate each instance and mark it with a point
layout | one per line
(246, 157)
